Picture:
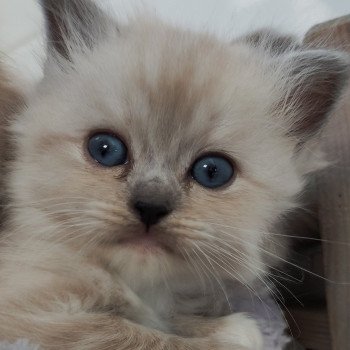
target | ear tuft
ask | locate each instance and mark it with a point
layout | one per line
(271, 41)
(71, 24)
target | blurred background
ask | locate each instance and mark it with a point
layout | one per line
(21, 25)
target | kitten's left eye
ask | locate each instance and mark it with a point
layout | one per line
(107, 149)
(212, 171)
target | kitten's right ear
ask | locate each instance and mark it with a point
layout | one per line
(72, 24)
(271, 41)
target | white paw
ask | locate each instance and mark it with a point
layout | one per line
(239, 329)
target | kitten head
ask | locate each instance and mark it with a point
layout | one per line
(165, 152)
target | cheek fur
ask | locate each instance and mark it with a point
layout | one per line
(62, 184)
(231, 227)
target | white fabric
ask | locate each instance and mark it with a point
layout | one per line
(19, 345)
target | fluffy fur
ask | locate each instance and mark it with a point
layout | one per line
(11, 101)
(74, 271)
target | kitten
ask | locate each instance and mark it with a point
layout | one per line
(150, 168)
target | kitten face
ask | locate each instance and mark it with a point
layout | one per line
(172, 97)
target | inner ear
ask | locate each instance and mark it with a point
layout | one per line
(314, 82)
(72, 24)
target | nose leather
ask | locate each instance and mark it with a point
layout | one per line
(150, 213)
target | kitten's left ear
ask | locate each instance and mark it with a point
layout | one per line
(72, 24)
(313, 79)
(313, 82)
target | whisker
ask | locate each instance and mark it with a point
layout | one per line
(217, 278)
(281, 234)
(282, 259)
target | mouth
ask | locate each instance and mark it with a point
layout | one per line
(144, 240)
(147, 243)
(144, 244)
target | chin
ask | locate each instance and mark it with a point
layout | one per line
(142, 265)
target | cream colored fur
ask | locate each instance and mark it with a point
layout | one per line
(11, 101)
(67, 280)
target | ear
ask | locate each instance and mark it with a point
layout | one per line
(313, 82)
(270, 41)
(72, 24)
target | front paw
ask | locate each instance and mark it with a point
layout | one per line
(240, 330)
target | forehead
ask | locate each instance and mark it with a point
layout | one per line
(176, 84)
(162, 89)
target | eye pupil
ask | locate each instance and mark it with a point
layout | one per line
(212, 171)
(104, 150)
(107, 149)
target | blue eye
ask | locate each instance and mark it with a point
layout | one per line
(212, 171)
(107, 149)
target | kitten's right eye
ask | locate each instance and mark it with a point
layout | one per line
(107, 149)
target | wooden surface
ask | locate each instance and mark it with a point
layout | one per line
(334, 194)
(333, 34)
(314, 334)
